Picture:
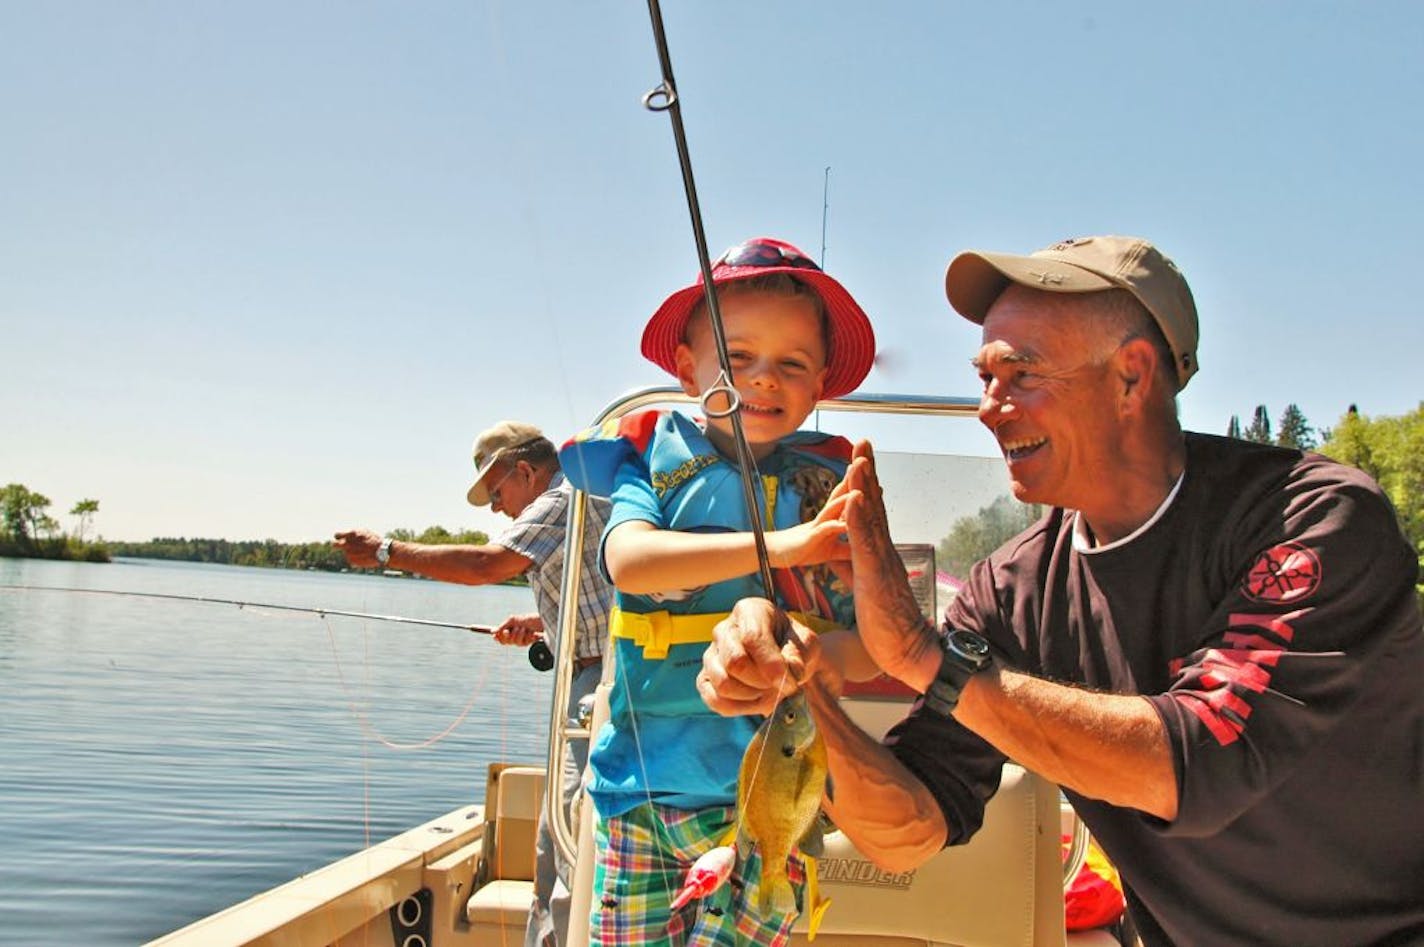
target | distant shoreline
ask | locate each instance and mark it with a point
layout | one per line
(100, 552)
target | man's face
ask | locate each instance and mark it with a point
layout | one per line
(1050, 397)
(778, 358)
(513, 487)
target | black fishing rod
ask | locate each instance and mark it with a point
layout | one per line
(539, 654)
(663, 98)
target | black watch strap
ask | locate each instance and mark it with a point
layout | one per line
(962, 655)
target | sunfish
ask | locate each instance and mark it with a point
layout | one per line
(779, 790)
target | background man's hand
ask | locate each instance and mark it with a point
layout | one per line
(745, 670)
(520, 630)
(360, 547)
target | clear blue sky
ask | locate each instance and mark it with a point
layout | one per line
(266, 268)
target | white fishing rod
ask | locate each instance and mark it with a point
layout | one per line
(539, 654)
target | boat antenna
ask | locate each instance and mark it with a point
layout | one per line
(825, 205)
(539, 654)
(663, 98)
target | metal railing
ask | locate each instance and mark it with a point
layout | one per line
(559, 731)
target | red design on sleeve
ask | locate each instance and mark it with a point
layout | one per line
(835, 447)
(1220, 683)
(1287, 572)
(638, 428)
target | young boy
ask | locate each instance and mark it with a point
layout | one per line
(678, 549)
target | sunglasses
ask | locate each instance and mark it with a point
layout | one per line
(494, 490)
(755, 253)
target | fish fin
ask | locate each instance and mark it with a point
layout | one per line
(781, 895)
(741, 841)
(813, 892)
(813, 843)
(830, 788)
(774, 891)
(818, 911)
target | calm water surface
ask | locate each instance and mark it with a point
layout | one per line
(160, 760)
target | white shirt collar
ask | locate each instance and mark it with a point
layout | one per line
(1083, 542)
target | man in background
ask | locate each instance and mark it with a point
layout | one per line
(518, 474)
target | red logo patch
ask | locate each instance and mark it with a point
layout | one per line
(1285, 573)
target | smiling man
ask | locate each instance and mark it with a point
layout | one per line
(1214, 647)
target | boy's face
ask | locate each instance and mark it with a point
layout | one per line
(778, 356)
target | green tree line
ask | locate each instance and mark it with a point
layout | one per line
(27, 529)
(1293, 430)
(273, 554)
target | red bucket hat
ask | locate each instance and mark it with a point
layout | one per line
(852, 341)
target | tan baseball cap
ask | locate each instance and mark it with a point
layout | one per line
(975, 279)
(504, 436)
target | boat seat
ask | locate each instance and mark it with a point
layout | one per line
(498, 910)
(1004, 887)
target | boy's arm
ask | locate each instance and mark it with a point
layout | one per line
(642, 559)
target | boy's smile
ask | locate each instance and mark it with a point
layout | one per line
(777, 348)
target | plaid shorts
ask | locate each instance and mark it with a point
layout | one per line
(643, 856)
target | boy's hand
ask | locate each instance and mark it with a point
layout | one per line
(745, 670)
(822, 539)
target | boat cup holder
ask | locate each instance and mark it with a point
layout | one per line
(410, 920)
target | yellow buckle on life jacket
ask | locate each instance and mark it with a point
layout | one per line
(656, 632)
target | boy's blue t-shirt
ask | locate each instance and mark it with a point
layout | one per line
(662, 743)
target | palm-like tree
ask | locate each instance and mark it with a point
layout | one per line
(84, 511)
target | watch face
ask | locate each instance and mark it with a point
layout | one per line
(972, 646)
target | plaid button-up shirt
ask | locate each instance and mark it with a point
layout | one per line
(538, 533)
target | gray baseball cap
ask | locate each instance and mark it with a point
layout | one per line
(504, 436)
(975, 278)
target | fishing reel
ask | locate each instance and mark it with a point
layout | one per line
(540, 657)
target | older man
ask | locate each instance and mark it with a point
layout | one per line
(517, 473)
(1214, 647)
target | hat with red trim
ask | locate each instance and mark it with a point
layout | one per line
(852, 341)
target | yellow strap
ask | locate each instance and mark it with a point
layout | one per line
(655, 632)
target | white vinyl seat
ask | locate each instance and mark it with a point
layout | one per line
(1004, 887)
(498, 910)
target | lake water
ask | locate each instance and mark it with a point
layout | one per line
(160, 760)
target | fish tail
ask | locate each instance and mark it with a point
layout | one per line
(775, 894)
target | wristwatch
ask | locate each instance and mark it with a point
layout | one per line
(962, 655)
(383, 553)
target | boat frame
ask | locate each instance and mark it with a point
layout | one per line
(465, 879)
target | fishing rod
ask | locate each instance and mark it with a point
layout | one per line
(663, 98)
(539, 654)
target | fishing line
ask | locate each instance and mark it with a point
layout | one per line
(365, 721)
(325, 613)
